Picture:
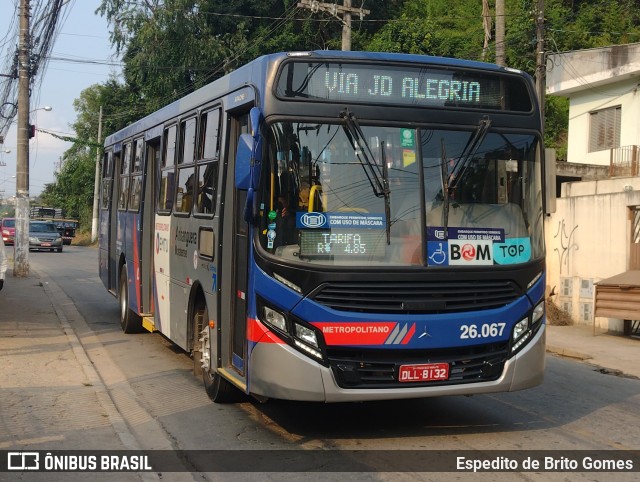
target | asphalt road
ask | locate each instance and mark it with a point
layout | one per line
(165, 406)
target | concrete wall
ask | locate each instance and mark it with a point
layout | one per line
(588, 240)
(587, 69)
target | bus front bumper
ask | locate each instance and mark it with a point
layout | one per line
(279, 371)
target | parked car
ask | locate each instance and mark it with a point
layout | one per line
(44, 235)
(8, 226)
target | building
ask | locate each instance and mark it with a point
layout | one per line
(595, 232)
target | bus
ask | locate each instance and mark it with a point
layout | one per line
(336, 226)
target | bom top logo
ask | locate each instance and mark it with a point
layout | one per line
(465, 253)
(468, 252)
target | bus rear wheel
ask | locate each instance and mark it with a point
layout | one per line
(130, 322)
(219, 389)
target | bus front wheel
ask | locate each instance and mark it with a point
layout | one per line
(219, 389)
(130, 322)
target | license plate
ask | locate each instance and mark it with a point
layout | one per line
(46, 244)
(424, 373)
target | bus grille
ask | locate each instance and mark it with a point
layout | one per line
(417, 297)
(379, 369)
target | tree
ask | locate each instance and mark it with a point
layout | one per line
(437, 27)
(172, 47)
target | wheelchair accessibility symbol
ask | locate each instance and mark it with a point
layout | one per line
(437, 256)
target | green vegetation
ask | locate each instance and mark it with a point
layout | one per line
(172, 47)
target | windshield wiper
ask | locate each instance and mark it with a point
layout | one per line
(450, 180)
(445, 188)
(378, 177)
(387, 201)
(469, 151)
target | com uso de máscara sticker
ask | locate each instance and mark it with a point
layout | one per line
(315, 220)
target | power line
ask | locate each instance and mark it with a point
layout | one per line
(45, 19)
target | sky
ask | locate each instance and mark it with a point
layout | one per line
(83, 36)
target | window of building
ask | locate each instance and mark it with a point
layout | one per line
(604, 129)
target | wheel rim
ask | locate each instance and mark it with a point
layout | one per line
(123, 301)
(205, 356)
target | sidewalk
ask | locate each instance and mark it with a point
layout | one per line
(614, 353)
(51, 397)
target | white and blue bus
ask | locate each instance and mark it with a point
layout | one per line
(337, 226)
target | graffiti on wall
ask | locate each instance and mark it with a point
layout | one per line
(567, 243)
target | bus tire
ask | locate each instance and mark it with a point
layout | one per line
(130, 322)
(219, 389)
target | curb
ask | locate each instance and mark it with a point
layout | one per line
(568, 353)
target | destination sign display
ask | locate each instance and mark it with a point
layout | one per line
(404, 85)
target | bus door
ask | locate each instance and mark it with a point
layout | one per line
(147, 227)
(113, 225)
(235, 263)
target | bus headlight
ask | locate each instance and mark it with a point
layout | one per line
(524, 329)
(275, 319)
(538, 312)
(306, 334)
(302, 337)
(305, 339)
(520, 329)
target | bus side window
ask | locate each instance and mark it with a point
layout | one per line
(186, 168)
(123, 189)
(165, 195)
(208, 162)
(207, 187)
(107, 176)
(135, 192)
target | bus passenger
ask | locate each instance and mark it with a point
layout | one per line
(285, 223)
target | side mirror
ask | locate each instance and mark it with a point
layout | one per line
(243, 161)
(249, 153)
(248, 163)
(255, 116)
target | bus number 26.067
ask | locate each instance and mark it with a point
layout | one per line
(486, 330)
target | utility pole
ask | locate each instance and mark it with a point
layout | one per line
(342, 12)
(96, 187)
(21, 252)
(541, 63)
(500, 32)
(486, 26)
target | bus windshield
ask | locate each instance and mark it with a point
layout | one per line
(455, 197)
